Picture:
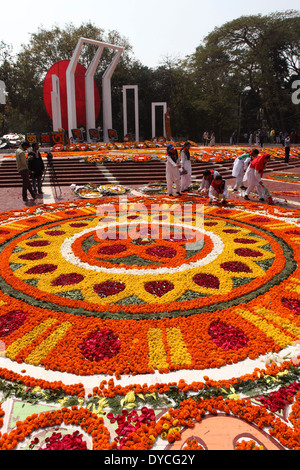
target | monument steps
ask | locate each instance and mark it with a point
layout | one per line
(76, 171)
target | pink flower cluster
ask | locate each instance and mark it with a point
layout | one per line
(130, 422)
(58, 442)
(227, 336)
(11, 322)
(292, 304)
(101, 345)
(280, 398)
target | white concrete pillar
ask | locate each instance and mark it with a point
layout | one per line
(136, 110)
(164, 110)
(55, 104)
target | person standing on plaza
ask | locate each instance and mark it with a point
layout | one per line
(273, 135)
(186, 166)
(254, 174)
(250, 142)
(36, 168)
(172, 170)
(287, 148)
(262, 136)
(205, 137)
(240, 166)
(22, 167)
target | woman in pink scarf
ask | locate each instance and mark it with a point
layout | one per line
(254, 174)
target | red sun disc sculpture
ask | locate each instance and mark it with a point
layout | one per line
(59, 69)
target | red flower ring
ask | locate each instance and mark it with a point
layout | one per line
(67, 279)
(108, 288)
(161, 252)
(260, 220)
(236, 267)
(67, 442)
(78, 224)
(293, 232)
(112, 249)
(247, 252)
(158, 288)
(207, 280)
(210, 224)
(55, 233)
(39, 243)
(100, 345)
(230, 230)
(42, 269)
(33, 256)
(11, 322)
(246, 241)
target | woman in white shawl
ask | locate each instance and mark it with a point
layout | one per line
(240, 166)
(172, 170)
(186, 166)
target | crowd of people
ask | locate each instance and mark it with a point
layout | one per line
(260, 137)
(247, 169)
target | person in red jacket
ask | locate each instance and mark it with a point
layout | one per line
(254, 174)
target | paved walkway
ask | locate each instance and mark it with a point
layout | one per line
(11, 198)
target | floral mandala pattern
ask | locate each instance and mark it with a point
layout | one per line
(141, 291)
(290, 177)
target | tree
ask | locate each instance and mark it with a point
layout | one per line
(258, 52)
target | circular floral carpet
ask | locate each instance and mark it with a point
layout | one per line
(285, 177)
(146, 286)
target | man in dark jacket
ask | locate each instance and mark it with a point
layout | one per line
(36, 167)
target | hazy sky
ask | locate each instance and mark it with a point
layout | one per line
(156, 29)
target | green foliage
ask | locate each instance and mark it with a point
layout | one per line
(251, 57)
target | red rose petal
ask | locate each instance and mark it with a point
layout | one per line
(161, 252)
(246, 241)
(108, 288)
(247, 252)
(227, 336)
(11, 322)
(112, 250)
(68, 279)
(103, 344)
(236, 267)
(78, 224)
(36, 255)
(207, 280)
(291, 304)
(42, 269)
(39, 243)
(55, 233)
(159, 288)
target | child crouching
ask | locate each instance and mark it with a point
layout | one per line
(218, 191)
